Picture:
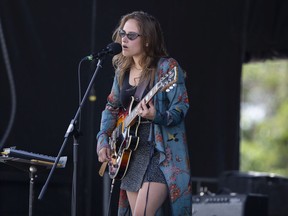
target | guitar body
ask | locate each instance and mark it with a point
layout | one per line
(119, 164)
(123, 142)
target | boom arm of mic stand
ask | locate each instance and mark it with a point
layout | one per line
(71, 128)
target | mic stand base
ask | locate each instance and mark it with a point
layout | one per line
(75, 170)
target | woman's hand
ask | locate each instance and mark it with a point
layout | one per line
(104, 155)
(145, 111)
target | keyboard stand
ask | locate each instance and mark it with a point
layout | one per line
(32, 174)
(32, 166)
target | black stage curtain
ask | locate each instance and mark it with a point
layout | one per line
(46, 40)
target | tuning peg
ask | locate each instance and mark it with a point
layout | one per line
(168, 90)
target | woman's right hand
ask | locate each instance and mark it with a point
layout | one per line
(104, 155)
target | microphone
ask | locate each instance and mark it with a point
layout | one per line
(111, 49)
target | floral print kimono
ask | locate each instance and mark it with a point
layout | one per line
(168, 133)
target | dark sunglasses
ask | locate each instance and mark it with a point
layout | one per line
(130, 35)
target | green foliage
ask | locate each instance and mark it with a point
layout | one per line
(264, 131)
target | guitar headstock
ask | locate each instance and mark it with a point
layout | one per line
(168, 81)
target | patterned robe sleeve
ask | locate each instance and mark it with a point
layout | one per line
(109, 116)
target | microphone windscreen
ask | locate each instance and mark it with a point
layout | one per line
(114, 48)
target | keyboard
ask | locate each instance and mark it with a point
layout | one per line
(33, 157)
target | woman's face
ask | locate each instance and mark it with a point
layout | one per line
(131, 47)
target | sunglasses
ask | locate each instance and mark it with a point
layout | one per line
(131, 35)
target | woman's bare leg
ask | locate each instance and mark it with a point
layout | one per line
(132, 198)
(156, 197)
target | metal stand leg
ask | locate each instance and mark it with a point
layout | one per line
(108, 189)
(32, 171)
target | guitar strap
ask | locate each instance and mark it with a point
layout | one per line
(140, 90)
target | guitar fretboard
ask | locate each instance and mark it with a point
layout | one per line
(133, 114)
(166, 81)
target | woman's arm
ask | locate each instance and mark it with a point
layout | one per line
(175, 103)
(109, 116)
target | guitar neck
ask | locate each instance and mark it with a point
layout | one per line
(133, 114)
(165, 82)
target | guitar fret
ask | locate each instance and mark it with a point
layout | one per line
(129, 119)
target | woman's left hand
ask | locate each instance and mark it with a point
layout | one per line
(145, 111)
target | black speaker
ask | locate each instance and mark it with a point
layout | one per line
(230, 205)
(273, 186)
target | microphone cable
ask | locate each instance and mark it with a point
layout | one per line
(12, 87)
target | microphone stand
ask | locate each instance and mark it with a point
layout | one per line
(71, 130)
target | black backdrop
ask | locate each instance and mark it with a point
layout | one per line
(46, 40)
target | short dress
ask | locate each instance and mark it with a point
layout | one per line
(144, 161)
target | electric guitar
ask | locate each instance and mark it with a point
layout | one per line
(124, 139)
